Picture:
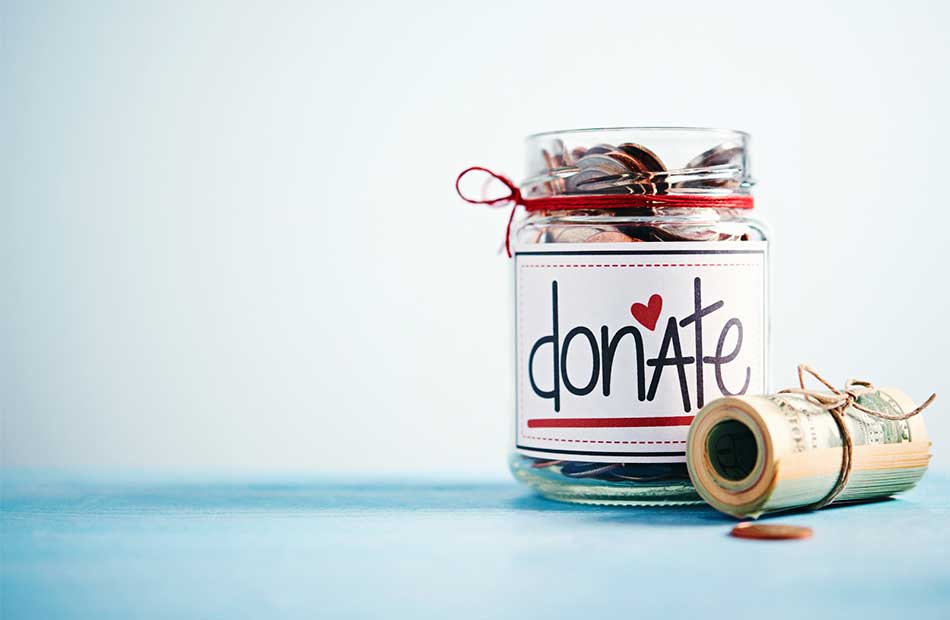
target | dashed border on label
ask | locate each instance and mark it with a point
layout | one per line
(605, 441)
(601, 265)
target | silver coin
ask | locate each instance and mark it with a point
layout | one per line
(603, 162)
(594, 180)
(726, 157)
(587, 470)
(720, 155)
(600, 149)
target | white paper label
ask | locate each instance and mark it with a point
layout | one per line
(619, 345)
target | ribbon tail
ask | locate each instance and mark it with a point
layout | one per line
(511, 219)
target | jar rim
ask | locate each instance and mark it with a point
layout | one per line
(639, 160)
(658, 129)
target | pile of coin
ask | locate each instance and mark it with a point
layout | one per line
(630, 168)
(615, 472)
(707, 227)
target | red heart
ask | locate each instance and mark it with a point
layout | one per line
(648, 315)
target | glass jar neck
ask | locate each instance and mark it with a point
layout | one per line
(662, 162)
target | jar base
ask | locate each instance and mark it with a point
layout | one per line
(631, 503)
(597, 492)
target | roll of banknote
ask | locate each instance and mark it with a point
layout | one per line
(748, 455)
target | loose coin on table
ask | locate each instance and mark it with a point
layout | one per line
(763, 531)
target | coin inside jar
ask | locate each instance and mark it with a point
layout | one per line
(599, 149)
(609, 237)
(577, 469)
(720, 155)
(582, 234)
(764, 531)
(724, 156)
(648, 159)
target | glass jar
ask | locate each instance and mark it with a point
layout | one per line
(641, 294)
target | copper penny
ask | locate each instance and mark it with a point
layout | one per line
(609, 236)
(633, 164)
(578, 234)
(542, 464)
(650, 160)
(762, 531)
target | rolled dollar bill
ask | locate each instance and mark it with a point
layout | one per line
(748, 455)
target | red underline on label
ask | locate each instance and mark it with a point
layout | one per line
(684, 420)
(543, 266)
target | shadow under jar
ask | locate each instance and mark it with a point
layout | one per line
(641, 294)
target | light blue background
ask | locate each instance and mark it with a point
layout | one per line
(230, 239)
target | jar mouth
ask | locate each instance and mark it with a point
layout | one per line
(680, 161)
(723, 131)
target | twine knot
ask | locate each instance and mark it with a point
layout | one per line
(836, 403)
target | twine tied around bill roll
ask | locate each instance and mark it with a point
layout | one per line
(836, 403)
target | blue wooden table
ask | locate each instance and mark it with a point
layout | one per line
(88, 547)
